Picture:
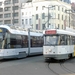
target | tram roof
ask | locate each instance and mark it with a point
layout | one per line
(21, 32)
(60, 31)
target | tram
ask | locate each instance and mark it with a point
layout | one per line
(58, 44)
(17, 43)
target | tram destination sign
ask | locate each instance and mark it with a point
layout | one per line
(50, 32)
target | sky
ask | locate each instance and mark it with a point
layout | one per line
(72, 0)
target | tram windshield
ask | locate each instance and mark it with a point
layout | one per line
(1, 40)
(51, 40)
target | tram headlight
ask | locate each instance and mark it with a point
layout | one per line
(50, 50)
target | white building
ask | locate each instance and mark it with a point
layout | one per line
(39, 11)
(26, 15)
(10, 12)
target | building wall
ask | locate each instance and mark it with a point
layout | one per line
(7, 12)
(39, 9)
(73, 15)
(26, 15)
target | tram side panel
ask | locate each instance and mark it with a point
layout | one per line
(58, 52)
(36, 45)
(16, 46)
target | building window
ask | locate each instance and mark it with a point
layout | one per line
(1, 9)
(1, 15)
(1, 22)
(58, 16)
(15, 1)
(15, 20)
(26, 21)
(7, 22)
(22, 21)
(15, 14)
(43, 26)
(22, 13)
(58, 8)
(0, 3)
(7, 8)
(43, 15)
(62, 26)
(36, 8)
(7, 2)
(53, 15)
(37, 26)
(36, 16)
(30, 21)
(15, 7)
(62, 9)
(62, 17)
(58, 26)
(7, 15)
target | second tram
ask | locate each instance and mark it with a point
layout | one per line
(58, 44)
(17, 44)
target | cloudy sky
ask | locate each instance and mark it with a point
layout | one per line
(72, 0)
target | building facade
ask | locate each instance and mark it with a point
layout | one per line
(10, 11)
(26, 15)
(73, 15)
(50, 14)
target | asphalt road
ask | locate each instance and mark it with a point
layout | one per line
(37, 66)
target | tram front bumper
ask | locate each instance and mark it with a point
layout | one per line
(62, 56)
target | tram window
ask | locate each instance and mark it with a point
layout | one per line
(12, 41)
(70, 40)
(39, 42)
(7, 41)
(66, 40)
(18, 41)
(62, 39)
(24, 41)
(36, 41)
(73, 40)
(33, 41)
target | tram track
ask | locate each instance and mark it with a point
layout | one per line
(58, 68)
(66, 69)
(52, 70)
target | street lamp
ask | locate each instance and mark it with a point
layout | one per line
(49, 16)
(24, 1)
(29, 40)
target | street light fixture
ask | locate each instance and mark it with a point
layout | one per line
(49, 16)
(24, 1)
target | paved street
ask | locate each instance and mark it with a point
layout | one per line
(37, 66)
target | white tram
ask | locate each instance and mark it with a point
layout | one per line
(17, 43)
(58, 44)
